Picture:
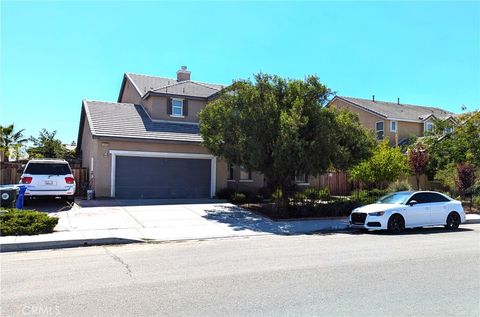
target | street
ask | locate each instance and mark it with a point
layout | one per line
(423, 272)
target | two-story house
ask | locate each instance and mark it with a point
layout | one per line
(147, 144)
(394, 121)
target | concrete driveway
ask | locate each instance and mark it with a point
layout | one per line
(188, 220)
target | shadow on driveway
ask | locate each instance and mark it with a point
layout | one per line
(49, 205)
(112, 202)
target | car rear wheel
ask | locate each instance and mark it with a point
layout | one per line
(453, 221)
(396, 224)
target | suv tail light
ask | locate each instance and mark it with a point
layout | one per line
(26, 180)
(69, 180)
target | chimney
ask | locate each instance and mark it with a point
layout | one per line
(183, 74)
(373, 98)
(398, 100)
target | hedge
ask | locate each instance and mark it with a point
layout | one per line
(15, 222)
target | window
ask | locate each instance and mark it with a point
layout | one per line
(448, 130)
(230, 172)
(177, 107)
(301, 178)
(428, 126)
(379, 130)
(437, 198)
(48, 169)
(421, 198)
(393, 126)
(245, 174)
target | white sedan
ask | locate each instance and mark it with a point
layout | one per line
(409, 209)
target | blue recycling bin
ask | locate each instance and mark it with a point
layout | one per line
(21, 196)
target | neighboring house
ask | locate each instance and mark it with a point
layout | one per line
(147, 144)
(393, 121)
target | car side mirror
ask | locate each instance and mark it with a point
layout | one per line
(413, 202)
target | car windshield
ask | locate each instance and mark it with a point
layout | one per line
(395, 198)
(48, 169)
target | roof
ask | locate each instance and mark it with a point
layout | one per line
(125, 120)
(393, 110)
(150, 84)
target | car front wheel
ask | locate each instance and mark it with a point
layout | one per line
(453, 221)
(396, 224)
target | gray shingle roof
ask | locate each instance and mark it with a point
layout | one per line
(399, 111)
(146, 83)
(125, 120)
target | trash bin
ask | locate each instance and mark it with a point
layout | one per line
(8, 194)
(20, 196)
(90, 194)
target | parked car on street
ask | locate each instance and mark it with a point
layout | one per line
(48, 177)
(409, 209)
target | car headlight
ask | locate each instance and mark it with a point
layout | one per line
(377, 214)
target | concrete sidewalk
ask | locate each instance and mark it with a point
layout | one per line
(196, 221)
(128, 224)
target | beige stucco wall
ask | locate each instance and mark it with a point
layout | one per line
(369, 120)
(87, 146)
(130, 94)
(103, 162)
(257, 181)
(157, 109)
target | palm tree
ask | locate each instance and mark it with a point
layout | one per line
(9, 138)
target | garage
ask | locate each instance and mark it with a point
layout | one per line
(162, 175)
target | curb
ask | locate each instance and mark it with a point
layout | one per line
(63, 244)
(471, 221)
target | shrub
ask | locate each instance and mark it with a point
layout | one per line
(225, 193)
(365, 197)
(399, 186)
(324, 193)
(265, 192)
(25, 222)
(239, 198)
(476, 201)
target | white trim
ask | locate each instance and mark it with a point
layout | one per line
(303, 184)
(425, 126)
(405, 120)
(213, 167)
(245, 180)
(177, 116)
(383, 130)
(396, 126)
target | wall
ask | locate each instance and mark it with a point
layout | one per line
(103, 162)
(88, 147)
(130, 94)
(157, 109)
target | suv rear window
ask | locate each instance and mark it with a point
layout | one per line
(48, 169)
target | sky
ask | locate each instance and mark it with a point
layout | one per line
(55, 54)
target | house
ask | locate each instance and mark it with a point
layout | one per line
(394, 121)
(147, 144)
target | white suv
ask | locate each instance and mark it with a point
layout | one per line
(48, 177)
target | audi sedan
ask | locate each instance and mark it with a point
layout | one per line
(409, 209)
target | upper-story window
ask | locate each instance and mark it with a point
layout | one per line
(177, 107)
(379, 129)
(448, 130)
(428, 126)
(393, 126)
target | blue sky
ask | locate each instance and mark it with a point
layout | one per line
(54, 54)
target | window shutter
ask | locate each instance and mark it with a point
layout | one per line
(185, 107)
(169, 105)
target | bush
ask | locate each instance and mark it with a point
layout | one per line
(25, 222)
(324, 193)
(335, 208)
(239, 198)
(265, 192)
(399, 186)
(476, 201)
(225, 193)
(365, 197)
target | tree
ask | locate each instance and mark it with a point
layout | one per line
(10, 140)
(280, 128)
(465, 179)
(386, 164)
(418, 160)
(46, 145)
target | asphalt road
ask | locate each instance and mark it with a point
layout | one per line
(427, 272)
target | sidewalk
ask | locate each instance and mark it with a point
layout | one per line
(133, 224)
(130, 224)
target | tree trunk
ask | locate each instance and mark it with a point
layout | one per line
(417, 178)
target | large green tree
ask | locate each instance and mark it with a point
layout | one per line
(46, 145)
(10, 140)
(281, 128)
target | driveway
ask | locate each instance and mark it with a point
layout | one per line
(147, 220)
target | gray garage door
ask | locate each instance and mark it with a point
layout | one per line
(152, 177)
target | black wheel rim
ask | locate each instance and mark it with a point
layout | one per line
(395, 224)
(453, 221)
